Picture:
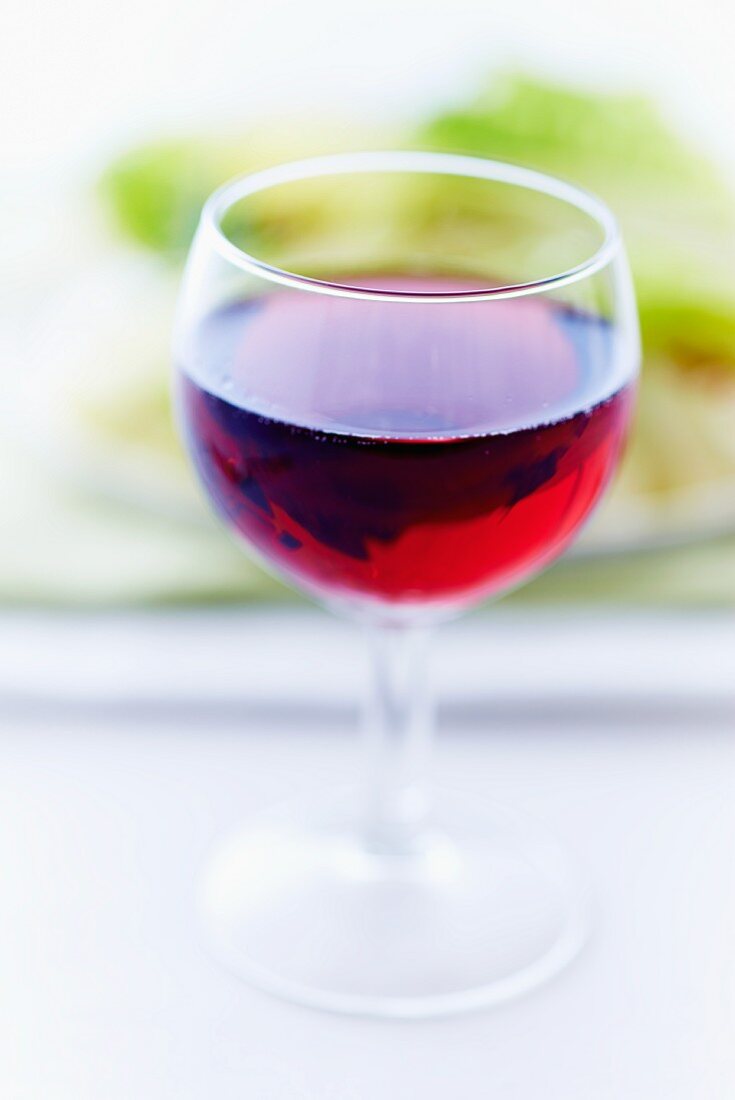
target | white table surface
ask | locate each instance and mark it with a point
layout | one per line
(128, 743)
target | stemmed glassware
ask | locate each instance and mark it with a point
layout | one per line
(404, 380)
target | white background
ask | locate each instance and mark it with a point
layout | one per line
(80, 78)
(140, 741)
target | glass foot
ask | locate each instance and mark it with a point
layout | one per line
(483, 910)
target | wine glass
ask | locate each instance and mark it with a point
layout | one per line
(404, 380)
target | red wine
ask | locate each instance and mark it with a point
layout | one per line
(404, 452)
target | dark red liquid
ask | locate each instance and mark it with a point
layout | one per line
(404, 452)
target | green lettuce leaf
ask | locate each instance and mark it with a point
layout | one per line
(676, 212)
(155, 193)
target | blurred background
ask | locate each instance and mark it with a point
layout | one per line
(117, 135)
(155, 685)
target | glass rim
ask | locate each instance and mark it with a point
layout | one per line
(420, 162)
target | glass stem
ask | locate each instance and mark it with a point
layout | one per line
(398, 729)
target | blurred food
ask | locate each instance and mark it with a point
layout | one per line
(678, 221)
(102, 349)
(154, 194)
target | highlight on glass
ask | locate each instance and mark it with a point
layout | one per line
(404, 380)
